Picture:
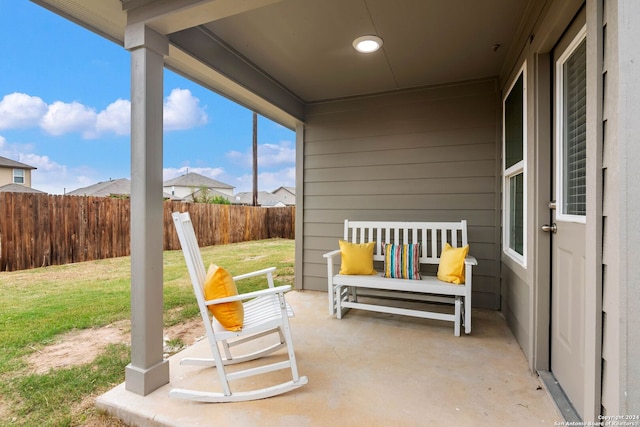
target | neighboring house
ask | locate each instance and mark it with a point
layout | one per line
(113, 188)
(265, 199)
(13, 172)
(184, 185)
(286, 194)
(19, 188)
(520, 116)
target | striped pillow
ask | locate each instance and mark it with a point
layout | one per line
(402, 261)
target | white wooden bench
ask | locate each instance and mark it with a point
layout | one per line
(344, 290)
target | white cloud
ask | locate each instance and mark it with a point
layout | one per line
(269, 155)
(59, 179)
(115, 118)
(276, 154)
(182, 111)
(62, 118)
(13, 151)
(267, 181)
(19, 110)
(50, 176)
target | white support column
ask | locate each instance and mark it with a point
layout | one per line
(148, 370)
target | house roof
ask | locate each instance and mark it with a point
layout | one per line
(113, 187)
(291, 190)
(294, 53)
(19, 188)
(8, 163)
(196, 180)
(120, 186)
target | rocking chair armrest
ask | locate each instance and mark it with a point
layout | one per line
(470, 260)
(250, 295)
(255, 273)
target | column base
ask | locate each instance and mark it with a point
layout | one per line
(144, 381)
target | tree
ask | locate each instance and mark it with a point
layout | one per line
(203, 195)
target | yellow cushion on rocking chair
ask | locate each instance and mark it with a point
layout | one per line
(219, 284)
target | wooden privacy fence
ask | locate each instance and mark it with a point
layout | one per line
(38, 229)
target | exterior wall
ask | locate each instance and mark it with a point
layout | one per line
(612, 304)
(517, 306)
(621, 209)
(6, 176)
(429, 155)
(526, 289)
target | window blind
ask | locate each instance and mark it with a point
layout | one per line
(575, 136)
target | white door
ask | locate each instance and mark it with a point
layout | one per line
(569, 217)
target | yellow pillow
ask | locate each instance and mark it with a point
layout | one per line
(357, 258)
(219, 284)
(451, 268)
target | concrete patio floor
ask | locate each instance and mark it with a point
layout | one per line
(368, 369)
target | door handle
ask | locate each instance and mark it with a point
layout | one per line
(553, 228)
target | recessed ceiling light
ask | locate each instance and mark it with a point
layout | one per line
(367, 44)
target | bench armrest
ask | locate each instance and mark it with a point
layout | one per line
(330, 289)
(249, 295)
(469, 260)
(331, 254)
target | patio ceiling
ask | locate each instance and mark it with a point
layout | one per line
(294, 52)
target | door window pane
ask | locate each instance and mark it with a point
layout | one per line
(574, 132)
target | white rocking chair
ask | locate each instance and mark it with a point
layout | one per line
(265, 312)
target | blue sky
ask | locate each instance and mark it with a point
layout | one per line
(65, 102)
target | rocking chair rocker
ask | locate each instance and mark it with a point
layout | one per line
(265, 312)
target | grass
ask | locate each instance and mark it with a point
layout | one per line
(37, 306)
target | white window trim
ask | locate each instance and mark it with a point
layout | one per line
(560, 215)
(23, 176)
(507, 174)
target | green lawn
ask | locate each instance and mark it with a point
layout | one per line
(38, 305)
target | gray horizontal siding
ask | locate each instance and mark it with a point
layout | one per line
(424, 155)
(476, 217)
(516, 307)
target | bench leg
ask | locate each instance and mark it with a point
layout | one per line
(332, 302)
(467, 315)
(457, 315)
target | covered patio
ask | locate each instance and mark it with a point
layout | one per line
(415, 131)
(368, 369)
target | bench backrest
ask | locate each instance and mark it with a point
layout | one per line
(431, 235)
